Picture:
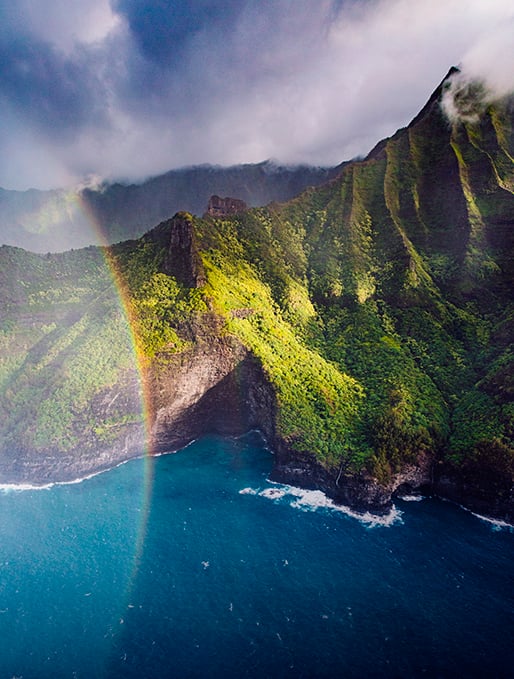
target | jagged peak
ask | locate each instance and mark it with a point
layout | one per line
(182, 260)
(435, 98)
(433, 104)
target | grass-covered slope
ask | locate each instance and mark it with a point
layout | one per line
(68, 379)
(379, 306)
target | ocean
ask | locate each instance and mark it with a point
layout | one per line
(194, 564)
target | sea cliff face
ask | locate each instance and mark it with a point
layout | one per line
(361, 491)
(365, 327)
(218, 387)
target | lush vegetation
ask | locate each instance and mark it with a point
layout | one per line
(66, 351)
(158, 306)
(394, 280)
(379, 305)
(318, 406)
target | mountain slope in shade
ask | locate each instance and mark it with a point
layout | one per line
(54, 221)
(365, 326)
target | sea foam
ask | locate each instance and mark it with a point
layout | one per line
(497, 524)
(248, 491)
(20, 487)
(312, 500)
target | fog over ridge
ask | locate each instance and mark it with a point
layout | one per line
(131, 88)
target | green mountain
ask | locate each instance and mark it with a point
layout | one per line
(366, 326)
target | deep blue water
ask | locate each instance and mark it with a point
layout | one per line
(188, 577)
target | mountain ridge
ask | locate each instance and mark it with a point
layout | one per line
(59, 220)
(366, 326)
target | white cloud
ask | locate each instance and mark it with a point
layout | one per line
(64, 23)
(492, 58)
(295, 82)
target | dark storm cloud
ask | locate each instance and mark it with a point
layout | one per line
(163, 30)
(129, 88)
(54, 93)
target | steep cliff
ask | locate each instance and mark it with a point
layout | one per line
(365, 326)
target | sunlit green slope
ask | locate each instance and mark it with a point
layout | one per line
(66, 351)
(398, 275)
(379, 306)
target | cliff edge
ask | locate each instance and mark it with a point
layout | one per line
(366, 327)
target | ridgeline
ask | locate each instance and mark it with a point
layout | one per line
(366, 327)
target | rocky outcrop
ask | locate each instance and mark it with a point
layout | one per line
(360, 491)
(222, 207)
(182, 259)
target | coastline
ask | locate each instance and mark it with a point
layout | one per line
(359, 495)
(363, 493)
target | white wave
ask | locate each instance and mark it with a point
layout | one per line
(312, 500)
(248, 491)
(497, 524)
(19, 487)
(273, 493)
(173, 451)
(411, 498)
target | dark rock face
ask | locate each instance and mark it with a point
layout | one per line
(479, 494)
(216, 388)
(360, 491)
(222, 207)
(182, 259)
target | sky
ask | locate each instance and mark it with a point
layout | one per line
(126, 89)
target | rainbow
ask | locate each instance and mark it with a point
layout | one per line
(120, 286)
(70, 205)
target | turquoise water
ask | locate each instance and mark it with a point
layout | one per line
(213, 571)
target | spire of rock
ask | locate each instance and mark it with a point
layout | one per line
(182, 259)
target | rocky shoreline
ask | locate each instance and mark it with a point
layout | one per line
(359, 491)
(362, 493)
(219, 387)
